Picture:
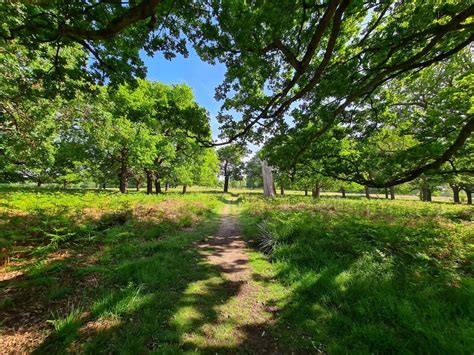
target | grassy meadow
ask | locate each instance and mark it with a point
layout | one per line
(369, 276)
(102, 272)
(98, 270)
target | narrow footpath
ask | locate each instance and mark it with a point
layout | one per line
(244, 315)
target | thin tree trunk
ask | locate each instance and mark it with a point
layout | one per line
(456, 190)
(316, 191)
(392, 192)
(157, 185)
(123, 183)
(426, 193)
(65, 184)
(123, 176)
(167, 185)
(226, 183)
(184, 189)
(469, 196)
(282, 190)
(343, 191)
(386, 193)
(367, 192)
(39, 183)
(149, 181)
(104, 185)
(306, 192)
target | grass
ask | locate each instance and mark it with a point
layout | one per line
(369, 276)
(90, 272)
(103, 277)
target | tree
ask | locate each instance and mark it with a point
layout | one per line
(231, 163)
(146, 128)
(324, 59)
(208, 168)
(112, 33)
(334, 65)
(181, 123)
(320, 58)
(195, 165)
(413, 122)
(268, 184)
(253, 172)
(31, 120)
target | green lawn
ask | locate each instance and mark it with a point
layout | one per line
(96, 272)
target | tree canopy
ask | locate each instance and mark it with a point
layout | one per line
(381, 90)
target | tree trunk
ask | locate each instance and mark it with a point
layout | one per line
(123, 176)
(104, 185)
(123, 183)
(149, 181)
(157, 185)
(343, 191)
(456, 190)
(469, 196)
(282, 190)
(316, 192)
(268, 185)
(65, 184)
(167, 185)
(39, 183)
(306, 192)
(138, 182)
(392, 192)
(426, 194)
(226, 183)
(367, 192)
(184, 189)
(386, 193)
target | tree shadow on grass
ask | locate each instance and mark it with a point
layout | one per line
(136, 311)
(365, 287)
(99, 271)
(168, 302)
(114, 286)
(228, 201)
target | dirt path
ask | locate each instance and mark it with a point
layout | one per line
(246, 308)
(228, 249)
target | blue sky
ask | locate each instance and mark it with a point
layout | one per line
(200, 76)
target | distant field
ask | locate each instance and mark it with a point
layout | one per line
(256, 191)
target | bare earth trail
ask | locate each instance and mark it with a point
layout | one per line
(245, 310)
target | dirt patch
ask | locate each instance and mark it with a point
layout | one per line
(20, 341)
(227, 250)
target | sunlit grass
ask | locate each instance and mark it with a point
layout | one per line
(124, 273)
(369, 276)
(120, 260)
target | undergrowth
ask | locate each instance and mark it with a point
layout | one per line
(97, 270)
(369, 276)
